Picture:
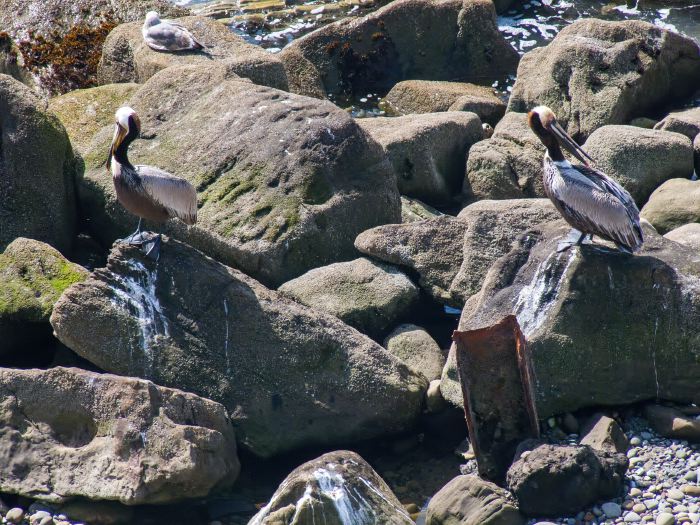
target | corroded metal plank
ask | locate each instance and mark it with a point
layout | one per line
(497, 385)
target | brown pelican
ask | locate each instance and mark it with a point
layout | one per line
(164, 35)
(589, 200)
(147, 192)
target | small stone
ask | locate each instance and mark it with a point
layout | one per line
(691, 476)
(635, 441)
(694, 517)
(675, 494)
(691, 490)
(665, 519)
(646, 435)
(611, 509)
(14, 515)
(46, 520)
(632, 517)
(627, 505)
(639, 508)
(635, 492)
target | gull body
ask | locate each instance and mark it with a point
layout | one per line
(147, 192)
(589, 200)
(164, 35)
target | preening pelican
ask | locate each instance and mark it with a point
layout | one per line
(163, 35)
(147, 192)
(589, 200)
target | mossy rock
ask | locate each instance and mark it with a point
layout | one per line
(33, 275)
(285, 183)
(84, 112)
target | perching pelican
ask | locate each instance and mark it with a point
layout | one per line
(163, 35)
(589, 200)
(147, 192)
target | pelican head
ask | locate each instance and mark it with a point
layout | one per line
(152, 19)
(127, 127)
(544, 124)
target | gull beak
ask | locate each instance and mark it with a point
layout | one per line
(569, 143)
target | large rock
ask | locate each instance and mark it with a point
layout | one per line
(84, 112)
(596, 72)
(675, 203)
(61, 42)
(640, 159)
(687, 235)
(556, 480)
(285, 183)
(604, 434)
(37, 170)
(493, 226)
(432, 96)
(432, 248)
(427, 39)
(69, 433)
(413, 210)
(336, 488)
(686, 122)
(365, 294)
(33, 275)
(414, 346)
(469, 500)
(584, 308)
(127, 58)
(12, 62)
(508, 165)
(428, 152)
(290, 376)
(672, 423)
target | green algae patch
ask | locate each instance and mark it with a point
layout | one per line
(33, 275)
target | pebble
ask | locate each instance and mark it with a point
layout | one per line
(639, 508)
(14, 515)
(632, 517)
(635, 441)
(675, 494)
(611, 509)
(691, 476)
(665, 519)
(691, 490)
(635, 492)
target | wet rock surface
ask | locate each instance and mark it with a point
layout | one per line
(64, 428)
(285, 183)
(552, 480)
(469, 500)
(338, 487)
(407, 39)
(190, 322)
(127, 58)
(596, 73)
(432, 96)
(367, 295)
(428, 152)
(506, 166)
(41, 206)
(640, 159)
(556, 297)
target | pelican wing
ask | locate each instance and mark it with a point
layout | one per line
(173, 193)
(599, 205)
(167, 36)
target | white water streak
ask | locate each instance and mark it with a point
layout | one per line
(138, 296)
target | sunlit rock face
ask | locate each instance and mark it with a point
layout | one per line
(602, 328)
(290, 376)
(338, 488)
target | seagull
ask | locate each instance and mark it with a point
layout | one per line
(147, 192)
(163, 35)
(589, 200)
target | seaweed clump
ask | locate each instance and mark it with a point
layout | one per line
(64, 62)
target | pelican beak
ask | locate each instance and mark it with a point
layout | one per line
(119, 134)
(569, 143)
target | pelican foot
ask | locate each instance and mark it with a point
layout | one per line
(154, 251)
(137, 239)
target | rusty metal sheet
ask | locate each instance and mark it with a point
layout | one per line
(497, 385)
